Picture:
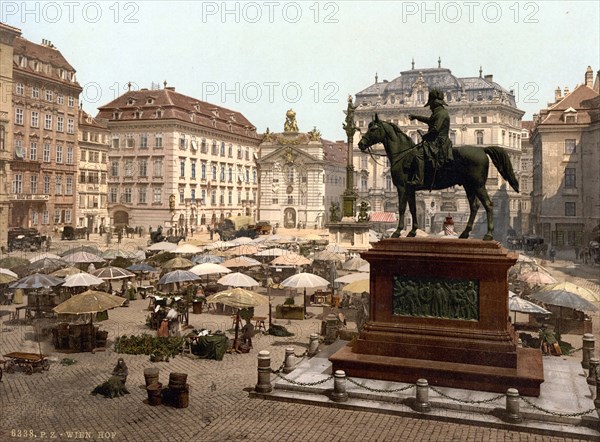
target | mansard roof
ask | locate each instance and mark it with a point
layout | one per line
(475, 88)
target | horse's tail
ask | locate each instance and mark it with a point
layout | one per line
(502, 162)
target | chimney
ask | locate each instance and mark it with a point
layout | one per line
(589, 77)
(566, 91)
(489, 77)
(557, 95)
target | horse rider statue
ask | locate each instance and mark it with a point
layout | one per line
(436, 146)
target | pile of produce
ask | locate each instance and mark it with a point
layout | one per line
(159, 347)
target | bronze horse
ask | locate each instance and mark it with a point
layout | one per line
(468, 169)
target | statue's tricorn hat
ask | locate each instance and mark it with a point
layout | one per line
(435, 95)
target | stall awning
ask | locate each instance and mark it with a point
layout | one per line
(383, 217)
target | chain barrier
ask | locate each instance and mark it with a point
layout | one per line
(303, 384)
(279, 369)
(380, 390)
(576, 350)
(302, 355)
(466, 401)
(554, 413)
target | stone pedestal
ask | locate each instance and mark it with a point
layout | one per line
(350, 234)
(439, 311)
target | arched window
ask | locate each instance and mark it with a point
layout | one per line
(2, 138)
(420, 97)
(479, 136)
(388, 182)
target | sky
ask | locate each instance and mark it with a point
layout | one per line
(262, 58)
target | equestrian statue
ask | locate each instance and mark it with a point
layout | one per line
(435, 164)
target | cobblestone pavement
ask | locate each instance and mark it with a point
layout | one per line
(57, 404)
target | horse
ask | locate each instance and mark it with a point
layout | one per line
(469, 169)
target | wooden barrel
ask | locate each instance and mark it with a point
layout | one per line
(151, 376)
(154, 391)
(181, 398)
(178, 381)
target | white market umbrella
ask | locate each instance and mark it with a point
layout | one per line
(187, 249)
(82, 258)
(82, 280)
(347, 279)
(241, 261)
(163, 246)
(304, 280)
(274, 252)
(113, 273)
(8, 272)
(238, 280)
(209, 268)
(42, 256)
(354, 263)
(291, 259)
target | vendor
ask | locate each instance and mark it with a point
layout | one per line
(121, 371)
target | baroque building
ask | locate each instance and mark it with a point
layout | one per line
(176, 161)
(43, 167)
(92, 184)
(566, 166)
(482, 113)
(301, 175)
(7, 38)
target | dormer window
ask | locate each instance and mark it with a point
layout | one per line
(159, 113)
(215, 112)
(197, 106)
(570, 116)
(137, 114)
(117, 115)
(130, 101)
(150, 100)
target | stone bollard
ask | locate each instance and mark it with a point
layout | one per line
(589, 342)
(422, 400)
(597, 400)
(313, 345)
(264, 373)
(339, 387)
(512, 406)
(593, 374)
(289, 360)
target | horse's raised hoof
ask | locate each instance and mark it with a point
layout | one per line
(396, 234)
(488, 237)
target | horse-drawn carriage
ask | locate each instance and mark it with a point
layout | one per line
(157, 236)
(71, 233)
(236, 227)
(29, 239)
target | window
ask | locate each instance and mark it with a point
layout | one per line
(364, 162)
(114, 168)
(479, 136)
(239, 152)
(570, 209)
(60, 124)
(248, 175)
(230, 175)
(34, 217)
(222, 198)
(71, 101)
(570, 177)
(213, 198)
(129, 141)
(45, 217)
(420, 97)
(129, 168)
(48, 121)
(193, 170)
(202, 196)
(484, 119)
(57, 216)
(60, 99)
(156, 195)
(69, 186)
(570, 146)
(17, 183)
(19, 116)
(2, 137)
(20, 89)
(33, 184)
(49, 95)
(222, 149)
(290, 200)
(115, 142)
(453, 137)
(127, 195)
(230, 198)
(33, 151)
(67, 216)
(59, 154)
(143, 167)
(230, 151)
(247, 155)
(143, 141)
(214, 172)
(70, 126)
(46, 184)
(364, 185)
(158, 140)
(181, 195)
(203, 146)
(193, 195)
(58, 185)
(214, 148)
(142, 195)
(182, 168)
(203, 170)
(69, 154)
(35, 119)
(222, 173)
(35, 92)
(113, 195)
(388, 183)
(182, 142)
(158, 168)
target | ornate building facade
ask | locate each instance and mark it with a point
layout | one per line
(7, 38)
(177, 161)
(482, 113)
(43, 167)
(566, 157)
(301, 175)
(92, 184)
